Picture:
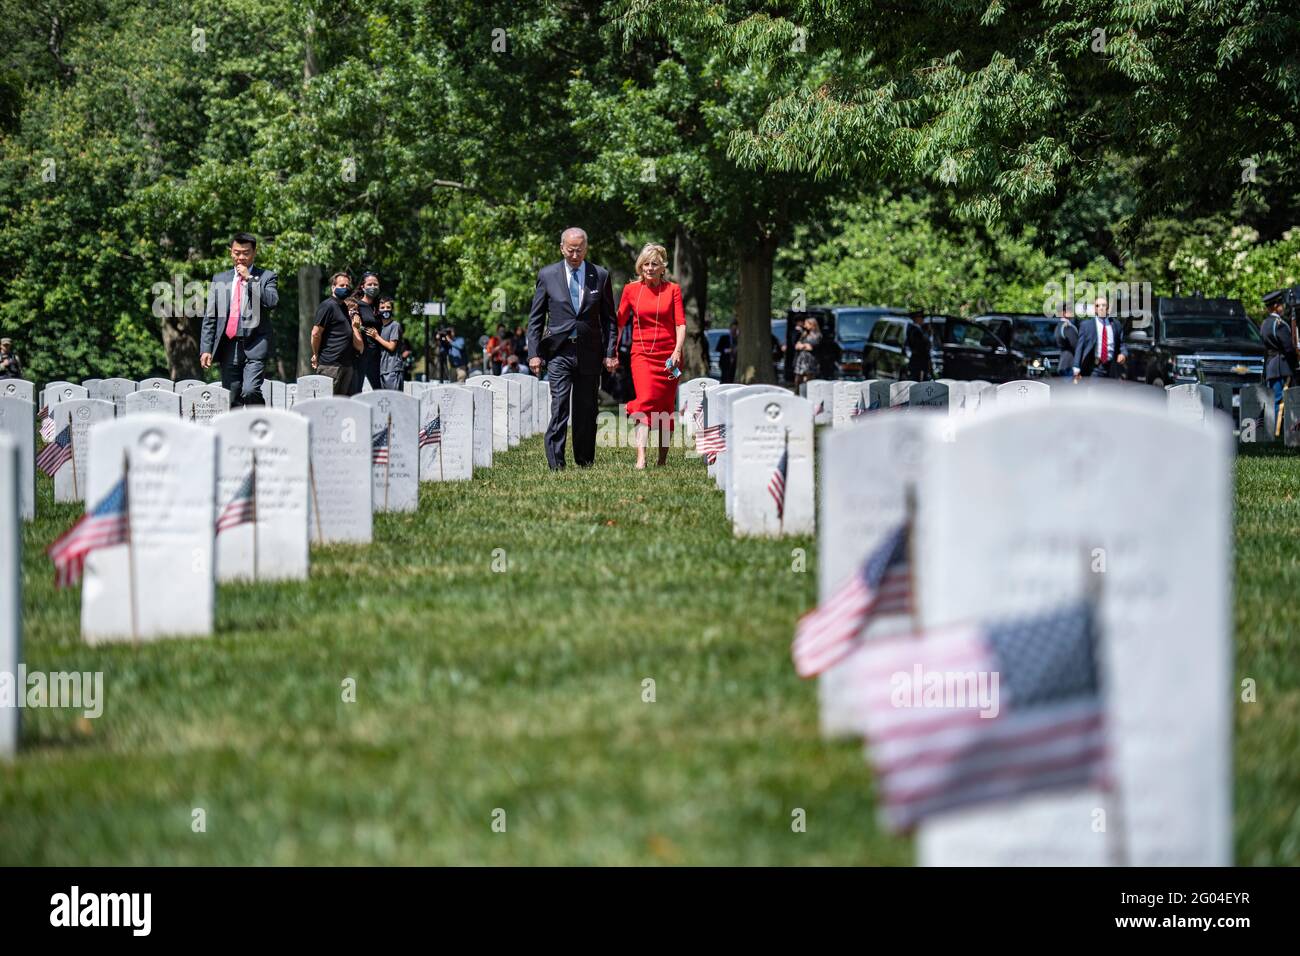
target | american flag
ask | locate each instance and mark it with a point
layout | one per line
(242, 506)
(431, 433)
(859, 406)
(984, 712)
(379, 446)
(709, 441)
(882, 585)
(47, 423)
(821, 408)
(699, 412)
(776, 484)
(57, 453)
(107, 524)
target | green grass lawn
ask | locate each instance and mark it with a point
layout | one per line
(522, 690)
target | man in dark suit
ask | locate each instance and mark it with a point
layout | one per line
(1067, 340)
(575, 300)
(237, 323)
(1100, 350)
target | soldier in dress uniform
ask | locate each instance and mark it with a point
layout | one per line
(1280, 361)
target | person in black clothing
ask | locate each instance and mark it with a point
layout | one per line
(335, 341)
(366, 306)
(727, 355)
(10, 367)
(1280, 358)
(1067, 339)
(917, 343)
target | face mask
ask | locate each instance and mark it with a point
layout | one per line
(371, 290)
(342, 291)
(386, 313)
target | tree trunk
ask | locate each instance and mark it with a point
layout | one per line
(754, 305)
(308, 299)
(180, 338)
(691, 269)
(308, 276)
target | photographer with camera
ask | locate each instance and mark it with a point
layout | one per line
(451, 355)
(1279, 334)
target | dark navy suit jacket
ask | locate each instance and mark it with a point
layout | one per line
(594, 321)
(1085, 352)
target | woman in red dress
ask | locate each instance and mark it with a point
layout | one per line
(654, 307)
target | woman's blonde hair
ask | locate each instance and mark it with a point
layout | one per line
(648, 251)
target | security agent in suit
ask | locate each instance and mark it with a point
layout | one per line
(1067, 340)
(1100, 350)
(237, 323)
(1280, 358)
(574, 298)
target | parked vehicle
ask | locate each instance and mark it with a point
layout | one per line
(845, 329)
(1032, 337)
(721, 339)
(1195, 340)
(961, 349)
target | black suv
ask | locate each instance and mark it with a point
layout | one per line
(1195, 340)
(1031, 337)
(941, 346)
(845, 329)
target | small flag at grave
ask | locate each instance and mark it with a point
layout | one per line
(431, 433)
(776, 485)
(107, 524)
(699, 414)
(821, 408)
(980, 713)
(709, 441)
(57, 453)
(882, 585)
(379, 446)
(241, 508)
(47, 424)
(859, 406)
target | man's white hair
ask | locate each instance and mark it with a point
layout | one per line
(570, 231)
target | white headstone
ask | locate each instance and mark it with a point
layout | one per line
(928, 395)
(314, 386)
(822, 394)
(62, 392)
(11, 590)
(154, 402)
(114, 390)
(185, 383)
(768, 427)
(713, 415)
(545, 406)
(726, 460)
(991, 543)
(290, 394)
(1191, 403)
(1023, 394)
(340, 486)
(89, 383)
(17, 388)
(71, 480)
(690, 396)
(277, 394)
(849, 400)
(514, 399)
(1258, 415)
(397, 483)
(866, 472)
(279, 441)
(17, 422)
(500, 392)
(202, 403)
(162, 582)
(521, 392)
(156, 385)
(453, 458)
(899, 393)
(482, 424)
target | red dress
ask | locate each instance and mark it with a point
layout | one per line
(655, 314)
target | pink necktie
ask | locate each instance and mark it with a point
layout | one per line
(1105, 344)
(232, 324)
